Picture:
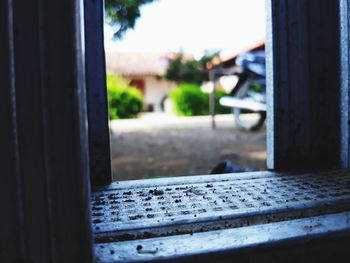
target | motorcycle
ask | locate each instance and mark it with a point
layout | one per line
(248, 97)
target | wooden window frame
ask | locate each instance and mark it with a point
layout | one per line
(54, 131)
(307, 130)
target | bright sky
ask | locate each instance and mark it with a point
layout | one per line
(193, 26)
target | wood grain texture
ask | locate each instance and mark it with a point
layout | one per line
(44, 145)
(97, 105)
(314, 239)
(303, 84)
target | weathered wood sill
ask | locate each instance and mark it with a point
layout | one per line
(177, 218)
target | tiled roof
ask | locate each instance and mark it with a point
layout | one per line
(137, 64)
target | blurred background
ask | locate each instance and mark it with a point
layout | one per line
(173, 68)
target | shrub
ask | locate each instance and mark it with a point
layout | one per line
(124, 101)
(189, 100)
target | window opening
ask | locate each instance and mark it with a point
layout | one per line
(137, 211)
(180, 62)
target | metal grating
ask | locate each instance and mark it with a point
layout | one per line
(126, 213)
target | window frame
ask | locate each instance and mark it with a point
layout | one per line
(45, 182)
(305, 125)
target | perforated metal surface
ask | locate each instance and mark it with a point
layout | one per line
(246, 200)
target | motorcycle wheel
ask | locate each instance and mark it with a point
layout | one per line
(248, 120)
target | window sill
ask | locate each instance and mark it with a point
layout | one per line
(175, 217)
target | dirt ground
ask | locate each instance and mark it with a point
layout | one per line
(160, 145)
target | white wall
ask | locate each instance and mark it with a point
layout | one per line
(155, 90)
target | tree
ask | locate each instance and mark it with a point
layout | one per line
(189, 70)
(122, 14)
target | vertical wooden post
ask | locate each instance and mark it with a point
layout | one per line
(97, 104)
(345, 83)
(212, 99)
(303, 84)
(44, 182)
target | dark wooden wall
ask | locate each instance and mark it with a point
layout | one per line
(44, 181)
(304, 116)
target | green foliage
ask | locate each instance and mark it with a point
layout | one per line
(122, 14)
(255, 88)
(189, 100)
(188, 70)
(181, 70)
(124, 101)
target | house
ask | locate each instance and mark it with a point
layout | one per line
(145, 71)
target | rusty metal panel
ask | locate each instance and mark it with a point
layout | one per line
(303, 84)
